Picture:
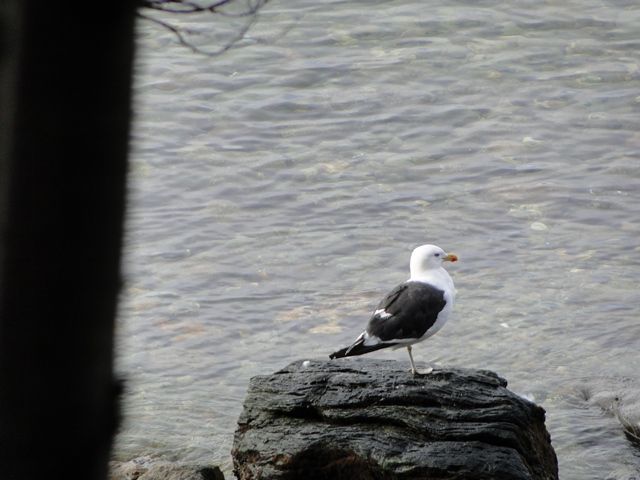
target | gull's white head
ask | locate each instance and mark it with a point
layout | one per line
(428, 257)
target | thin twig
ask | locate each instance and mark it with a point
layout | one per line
(176, 31)
(161, 6)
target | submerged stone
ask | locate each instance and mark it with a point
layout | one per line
(147, 470)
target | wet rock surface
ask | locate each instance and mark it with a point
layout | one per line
(371, 419)
(617, 397)
(144, 469)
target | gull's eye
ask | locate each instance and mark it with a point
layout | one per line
(437, 254)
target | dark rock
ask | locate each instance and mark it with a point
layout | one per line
(371, 419)
(144, 469)
(130, 470)
(619, 397)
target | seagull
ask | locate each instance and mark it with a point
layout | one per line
(413, 311)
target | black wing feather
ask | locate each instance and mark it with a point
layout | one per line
(414, 308)
(358, 349)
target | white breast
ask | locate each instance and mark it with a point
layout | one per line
(441, 279)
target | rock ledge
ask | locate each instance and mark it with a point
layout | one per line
(371, 419)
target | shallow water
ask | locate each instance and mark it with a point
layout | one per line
(277, 190)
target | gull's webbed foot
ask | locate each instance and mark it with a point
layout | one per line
(420, 373)
(414, 371)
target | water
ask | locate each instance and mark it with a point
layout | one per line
(277, 190)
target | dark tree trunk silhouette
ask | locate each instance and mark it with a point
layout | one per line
(65, 107)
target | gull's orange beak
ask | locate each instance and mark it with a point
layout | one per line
(450, 257)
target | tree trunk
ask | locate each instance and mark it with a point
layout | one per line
(65, 92)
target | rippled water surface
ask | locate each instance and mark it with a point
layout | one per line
(277, 190)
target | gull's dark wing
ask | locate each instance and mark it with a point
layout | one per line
(407, 312)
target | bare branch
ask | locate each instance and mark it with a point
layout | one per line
(176, 31)
(189, 7)
(177, 6)
(182, 6)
